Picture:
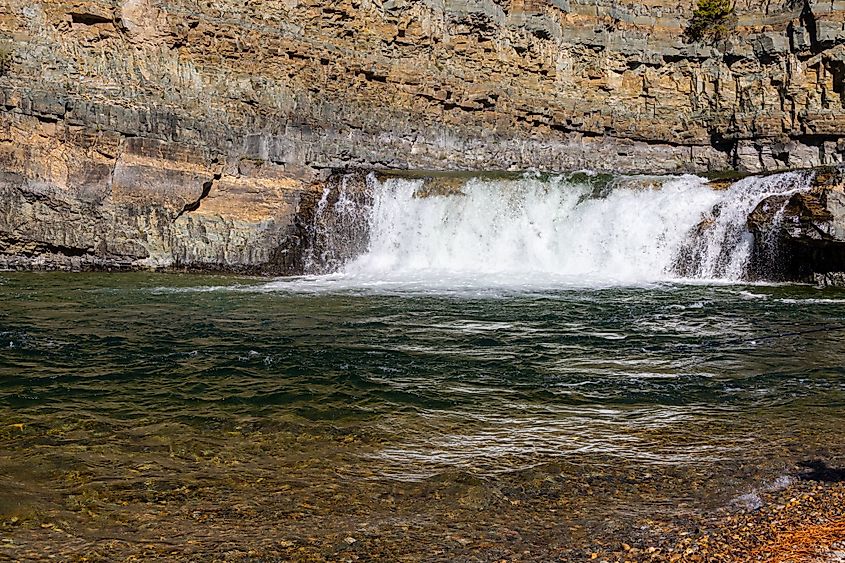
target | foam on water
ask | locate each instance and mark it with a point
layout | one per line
(810, 300)
(541, 233)
(531, 230)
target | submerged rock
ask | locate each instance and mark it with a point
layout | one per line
(441, 186)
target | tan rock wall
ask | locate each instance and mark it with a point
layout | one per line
(131, 106)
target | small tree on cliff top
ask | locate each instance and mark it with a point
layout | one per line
(712, 20)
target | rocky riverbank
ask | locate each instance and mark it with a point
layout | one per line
(802, 520)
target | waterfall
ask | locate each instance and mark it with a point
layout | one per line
(340, 224)
(544, 230)
(721, 246)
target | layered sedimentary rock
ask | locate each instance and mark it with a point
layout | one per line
(78, 198)
(182, 133)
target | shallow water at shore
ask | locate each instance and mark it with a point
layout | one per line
(410, 421)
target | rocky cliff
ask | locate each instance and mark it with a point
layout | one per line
(147, 133)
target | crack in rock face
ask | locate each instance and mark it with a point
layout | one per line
(194, 205)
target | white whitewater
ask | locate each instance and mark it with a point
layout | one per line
(722, 250)
(553, 232)
(544, 230)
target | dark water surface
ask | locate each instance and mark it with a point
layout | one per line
(402, 424)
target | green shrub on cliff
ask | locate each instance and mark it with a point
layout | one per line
(6, 51)
(712, 20)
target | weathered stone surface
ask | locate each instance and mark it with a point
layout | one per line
(115, 114)
(79, 199)
(802, 236)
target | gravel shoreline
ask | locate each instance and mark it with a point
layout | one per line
(802, 520)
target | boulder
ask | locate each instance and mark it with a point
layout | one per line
(801, 236)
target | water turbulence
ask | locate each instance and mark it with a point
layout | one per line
(587, 408)
(578, 228)
(339, 227)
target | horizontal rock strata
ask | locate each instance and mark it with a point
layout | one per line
(184, 133)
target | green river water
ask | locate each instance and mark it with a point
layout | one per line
(203, 413)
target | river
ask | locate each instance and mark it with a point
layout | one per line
(403, 419)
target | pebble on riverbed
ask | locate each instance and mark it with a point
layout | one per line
(804, 522)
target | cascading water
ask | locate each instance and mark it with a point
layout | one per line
(720, 247)
(339, 228)
(536, 230)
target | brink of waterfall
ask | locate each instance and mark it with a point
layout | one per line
(550, 230)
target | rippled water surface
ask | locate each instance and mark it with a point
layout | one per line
(418, 415)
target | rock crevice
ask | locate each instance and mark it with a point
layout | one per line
(194, 205)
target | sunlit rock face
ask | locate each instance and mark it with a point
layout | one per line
(176, 133)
